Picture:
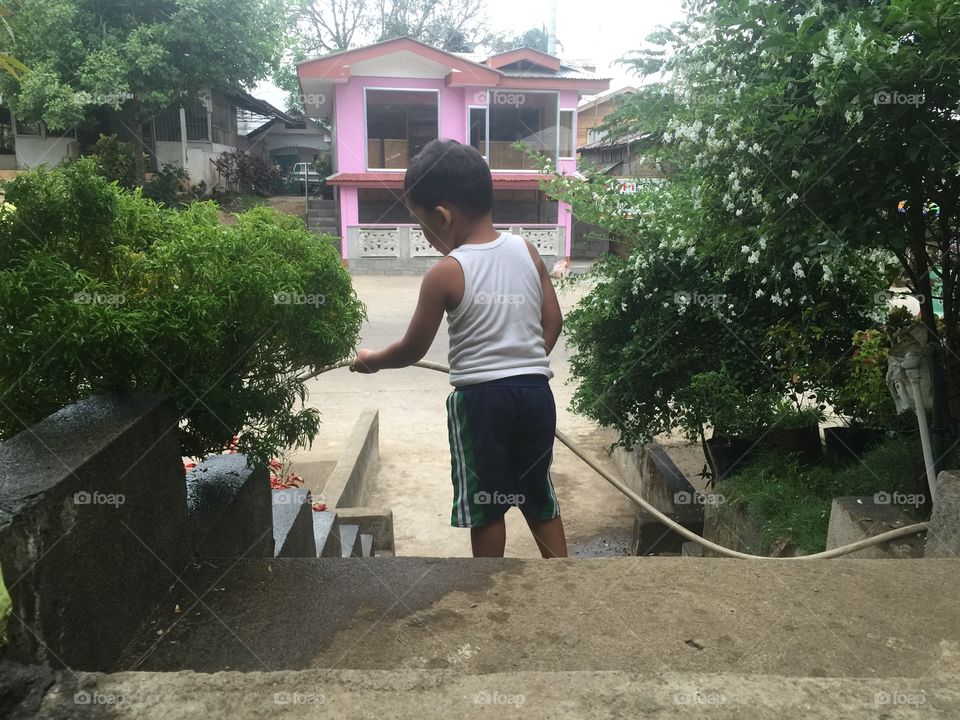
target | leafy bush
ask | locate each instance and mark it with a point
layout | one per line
(714, 399)
(116, 160)
(245, 172)
(169, 186)
(102, 290)
(792, 503)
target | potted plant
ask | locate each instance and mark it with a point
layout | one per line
(863, 399)
(796, 430)
(736, 419)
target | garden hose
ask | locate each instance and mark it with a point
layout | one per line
(672, 524)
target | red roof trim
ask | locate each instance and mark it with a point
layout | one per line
(395, 179)
(333, 66)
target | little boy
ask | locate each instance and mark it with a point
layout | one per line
(504, 319)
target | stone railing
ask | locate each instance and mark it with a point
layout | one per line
(403, 249)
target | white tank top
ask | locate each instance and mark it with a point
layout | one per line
(495, 331)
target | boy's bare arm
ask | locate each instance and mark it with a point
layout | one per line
(550, 316)
(435, 293)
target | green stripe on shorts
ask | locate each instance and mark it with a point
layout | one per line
(465, 512)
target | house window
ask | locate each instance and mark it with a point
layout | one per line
(567, 144)
(382, 206)
(167, 124)
(399, 124)
(520, 207)
(478, 129)
(521, 116)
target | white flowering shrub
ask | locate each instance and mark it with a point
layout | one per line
(810, 151)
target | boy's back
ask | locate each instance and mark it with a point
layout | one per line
(495, 331)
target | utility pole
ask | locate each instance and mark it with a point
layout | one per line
(552, 33)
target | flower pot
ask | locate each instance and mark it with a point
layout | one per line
(728, 455)
(803, 442)
(845, 444)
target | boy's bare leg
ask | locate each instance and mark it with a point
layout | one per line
(488, 540)
(549, 536)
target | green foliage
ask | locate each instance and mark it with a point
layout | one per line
(134, 58)
(810, 123)
(103, 290)
(792, 503)
(170, 186)
(789, 416)
(116, 161)
(714, 398)
(248, 174)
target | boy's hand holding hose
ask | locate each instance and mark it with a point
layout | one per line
(362, 362)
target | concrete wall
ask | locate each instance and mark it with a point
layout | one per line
(199, 155)
(404, 258)
(33, 151)
(93, 527)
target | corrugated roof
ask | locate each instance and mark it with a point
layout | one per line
(565, 73)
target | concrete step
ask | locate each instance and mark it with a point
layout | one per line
(293, 524)
(350, 541)
(326, 533)
(426, 694)
(366, 544)
(826, 618)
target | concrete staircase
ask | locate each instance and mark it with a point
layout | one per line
(606, 638)
(322, 216)
(300, 531)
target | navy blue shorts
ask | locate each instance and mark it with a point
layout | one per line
(501, 447)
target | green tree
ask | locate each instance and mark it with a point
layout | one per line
(826, 127)
(135, 59)
(102, 290)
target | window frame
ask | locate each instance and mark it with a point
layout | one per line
(573, 134)
(366, 124)
(556, 155)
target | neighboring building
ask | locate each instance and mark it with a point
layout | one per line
(188, 137)
(385, 102)
(620, 157)
(592, 113)
(286, 144)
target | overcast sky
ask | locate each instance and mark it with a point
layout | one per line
(600, 31)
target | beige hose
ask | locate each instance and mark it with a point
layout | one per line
(672, 524)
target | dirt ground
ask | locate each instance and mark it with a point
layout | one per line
(414, 477)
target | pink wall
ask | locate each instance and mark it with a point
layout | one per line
(350, 121)
(351, 143)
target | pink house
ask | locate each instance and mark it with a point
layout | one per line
(386, 101)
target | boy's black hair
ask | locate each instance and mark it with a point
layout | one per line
(448, 172)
